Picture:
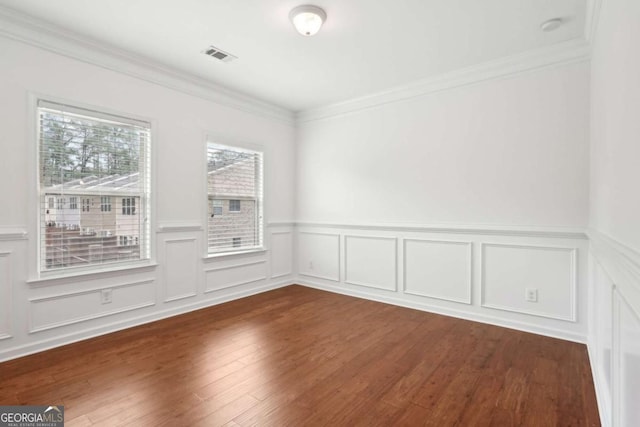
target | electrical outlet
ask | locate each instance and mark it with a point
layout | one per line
(105, 296)
(531, 295)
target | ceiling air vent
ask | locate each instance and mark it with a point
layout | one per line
(223, 56)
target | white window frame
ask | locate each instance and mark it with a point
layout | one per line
(224, 141)
(39, 276)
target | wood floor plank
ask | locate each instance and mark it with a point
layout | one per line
(298, 356)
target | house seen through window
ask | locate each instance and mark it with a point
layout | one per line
(234, 180)
(97, 160)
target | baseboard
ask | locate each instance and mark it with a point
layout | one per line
(460, 314)
(48, 344)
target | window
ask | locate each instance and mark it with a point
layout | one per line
(82, 155)
(216, 207)
(234, 205)
(234, 178)
(129, 206)
(105, 204)
(51, 203)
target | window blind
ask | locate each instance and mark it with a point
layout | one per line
(235, 205)
(90, 163)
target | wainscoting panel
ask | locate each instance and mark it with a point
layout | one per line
(470, 272)
(628, 366)
(181, 269)
(602, 337)
(66, 309)
(228, 276)
(319, 255)
(5, 295)
(438, 269)
(281, 253)
(508, 271)
(371, 261)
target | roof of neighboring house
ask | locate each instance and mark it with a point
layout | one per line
(93, 184)
(237, 179)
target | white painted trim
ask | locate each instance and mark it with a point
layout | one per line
(178, 228)
(223, 255)
(8, 303)
(33, 329)
(472, 229)
(9, 234)
(621, 263)
(227, 267)
(394, 288)
(184, 239)
(276, 276)
(89, 290)
(460, 314)
(181, 297)
(80, 276)
(234, 284)
(165, 289)
(572, 51)
(27, 29)
(333, 279)
(603, 410)
(573, 285)
(91, 332)
(453, 242)
(290, 272)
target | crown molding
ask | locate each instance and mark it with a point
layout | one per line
(27, 29)
(572, 51)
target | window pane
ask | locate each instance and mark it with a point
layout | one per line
(234, 183)
(96, 160)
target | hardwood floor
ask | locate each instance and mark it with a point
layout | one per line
(302, 357)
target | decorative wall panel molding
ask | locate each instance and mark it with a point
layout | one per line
(371, 261)
(6, 301)
(179, 228)
(626, 364)
(509, 270)
(180, 269)
(75, 307)
(9, 234)
(281, 253)
(438, 269)
(228, 276)
(319, 255)
(471, 229)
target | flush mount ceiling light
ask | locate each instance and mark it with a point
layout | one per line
(307, 19)
(551, 24)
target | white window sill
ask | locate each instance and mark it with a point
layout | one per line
(56, 278)
(255, 251)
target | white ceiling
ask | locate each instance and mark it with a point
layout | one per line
(366, 46)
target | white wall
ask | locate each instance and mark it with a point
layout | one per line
(437, 202)
(510, 151)
(614, 341)
(39, 314)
